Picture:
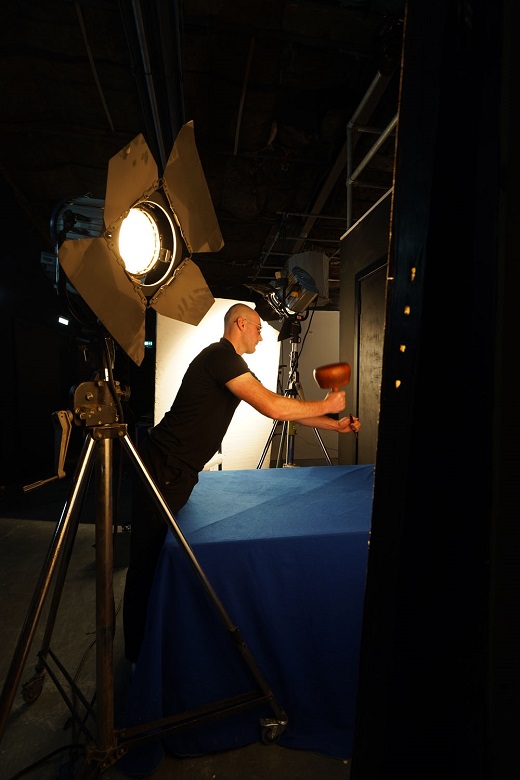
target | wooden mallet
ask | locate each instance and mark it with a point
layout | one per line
(332, 377)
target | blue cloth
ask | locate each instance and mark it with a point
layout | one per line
(285, 551)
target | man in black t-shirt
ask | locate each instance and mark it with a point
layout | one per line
(190, 433)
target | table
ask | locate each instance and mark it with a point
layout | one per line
(285, 550)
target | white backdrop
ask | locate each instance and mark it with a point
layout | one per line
(177, 345)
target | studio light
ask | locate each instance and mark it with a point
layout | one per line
(290, 294)
(316, 264)
(295, 291)
(133, 250)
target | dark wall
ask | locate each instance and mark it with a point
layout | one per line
(438, 689)
(364, 254)
(41, 360)
(30, 386)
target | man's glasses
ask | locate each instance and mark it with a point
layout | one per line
(258, 327)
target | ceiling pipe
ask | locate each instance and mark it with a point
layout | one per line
(169, 18)
(147, 68)
(375, 148)
(268, 252)
(244, 92)
(314, 240)
(93, 66)
(352, 176)
(305, 214)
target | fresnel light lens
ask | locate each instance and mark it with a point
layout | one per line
(139, 242)
(148, 245)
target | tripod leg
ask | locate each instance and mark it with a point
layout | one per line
(185, 547)
(289, 463)
(267, 445)
(35, 609)
(299, 394)
(104, 598)
(75, 509)
(282, 442)
(318, 436)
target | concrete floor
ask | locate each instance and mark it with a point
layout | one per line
(39, 733)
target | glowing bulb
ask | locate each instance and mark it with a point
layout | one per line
(139, 242)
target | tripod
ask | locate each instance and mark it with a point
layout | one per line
(293, 390)
(97, 406)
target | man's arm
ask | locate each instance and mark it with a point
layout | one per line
(343, 425)
(280, 407)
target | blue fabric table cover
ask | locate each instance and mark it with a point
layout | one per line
(285, 550)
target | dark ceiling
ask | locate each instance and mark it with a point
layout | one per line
(270, 86)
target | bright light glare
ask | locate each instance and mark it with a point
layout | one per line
(63, 321)
(139, 242)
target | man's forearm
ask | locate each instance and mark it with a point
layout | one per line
(322, 421)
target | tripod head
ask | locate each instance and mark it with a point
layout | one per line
(98, 402)
(94, 403)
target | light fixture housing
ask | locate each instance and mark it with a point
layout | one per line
(99, 257)
(292, 292)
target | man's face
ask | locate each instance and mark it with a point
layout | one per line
(252, 332)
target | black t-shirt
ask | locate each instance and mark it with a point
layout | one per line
(193, 429)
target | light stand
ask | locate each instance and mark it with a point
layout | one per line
(293, 390)
(97, 407)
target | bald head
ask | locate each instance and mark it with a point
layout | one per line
(242, 327)
(237, 310)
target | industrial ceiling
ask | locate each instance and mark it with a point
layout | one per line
(293, 105)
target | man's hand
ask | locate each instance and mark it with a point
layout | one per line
(349, 424)
(336, 400)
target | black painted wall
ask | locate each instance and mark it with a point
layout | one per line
(438, 694)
